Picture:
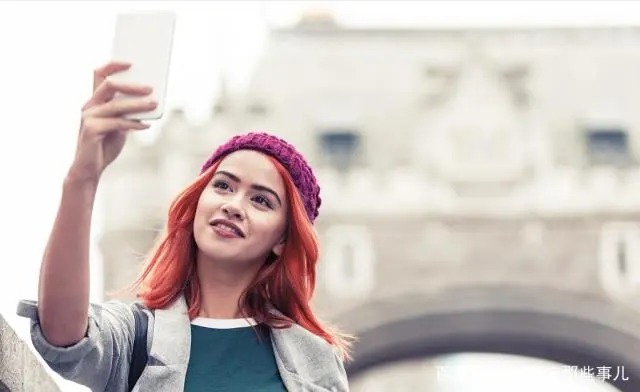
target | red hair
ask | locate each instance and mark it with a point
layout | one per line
(286, 282)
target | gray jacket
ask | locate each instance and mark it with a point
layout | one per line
(100, 361)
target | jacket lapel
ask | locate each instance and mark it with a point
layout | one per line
(294, 362)
(170, 349)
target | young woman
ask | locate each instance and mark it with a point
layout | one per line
(226, 289)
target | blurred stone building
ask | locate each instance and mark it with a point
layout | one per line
(448, 159)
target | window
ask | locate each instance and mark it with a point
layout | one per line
(608, 147)
(441, 81)
(619, 261)
(516, 78)
(257, 109)
(340, 148)
(348, 261)
(622, 267)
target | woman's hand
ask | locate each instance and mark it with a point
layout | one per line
(104, 128)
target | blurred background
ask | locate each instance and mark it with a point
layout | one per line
(478, 163)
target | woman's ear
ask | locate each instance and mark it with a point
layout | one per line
(277, 250)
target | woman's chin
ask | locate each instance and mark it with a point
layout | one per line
(216, 252)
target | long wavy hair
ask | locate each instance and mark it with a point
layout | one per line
(286, 283)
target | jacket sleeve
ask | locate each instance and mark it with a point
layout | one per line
(100, 360)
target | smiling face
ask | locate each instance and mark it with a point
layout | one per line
(242, 214)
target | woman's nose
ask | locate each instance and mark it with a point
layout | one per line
(233, 211)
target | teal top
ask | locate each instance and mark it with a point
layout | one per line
(228, 356)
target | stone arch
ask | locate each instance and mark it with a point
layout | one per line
(569, 328)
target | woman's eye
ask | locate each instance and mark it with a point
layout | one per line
(262, 200)
(221, 185)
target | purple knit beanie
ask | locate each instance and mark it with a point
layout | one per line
(286, 154)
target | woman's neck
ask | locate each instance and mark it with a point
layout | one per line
(220, 289)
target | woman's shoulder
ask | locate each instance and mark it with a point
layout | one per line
(310, 357)
(296, 335)
(305, 339)
(302, 345)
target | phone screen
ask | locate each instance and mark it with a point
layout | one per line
(145, 40)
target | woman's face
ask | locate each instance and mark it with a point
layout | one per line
(241, 215)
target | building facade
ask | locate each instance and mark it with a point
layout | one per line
(447, 159)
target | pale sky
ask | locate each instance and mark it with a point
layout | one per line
(49, 50)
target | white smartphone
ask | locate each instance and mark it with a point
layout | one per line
(145, 39)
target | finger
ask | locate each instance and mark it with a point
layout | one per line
(108, 88)
(100, 74)
(98, 125)
(121, 107)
